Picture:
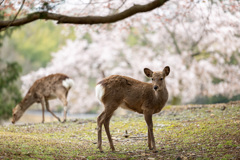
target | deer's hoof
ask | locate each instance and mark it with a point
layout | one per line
(100, 149)
(155, 151)
(64, 121)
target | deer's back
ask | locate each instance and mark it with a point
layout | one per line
(47, 85)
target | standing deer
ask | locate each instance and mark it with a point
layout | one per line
(44, 89)
(145, 98)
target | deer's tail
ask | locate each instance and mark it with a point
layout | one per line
(68, 83)
(100, 91)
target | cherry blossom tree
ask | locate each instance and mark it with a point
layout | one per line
(199, 40)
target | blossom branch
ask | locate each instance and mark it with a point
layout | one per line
(83, 20)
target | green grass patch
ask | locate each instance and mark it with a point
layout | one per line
(189, 133)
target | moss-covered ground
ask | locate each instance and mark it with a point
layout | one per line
(181, 132)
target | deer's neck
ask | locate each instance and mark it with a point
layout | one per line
(161, 96)
(27, 102)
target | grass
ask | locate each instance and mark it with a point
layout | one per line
(181, 132)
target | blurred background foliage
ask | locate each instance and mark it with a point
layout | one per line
(40, 39)
(215, 99)
(9, 74)
(9, 90)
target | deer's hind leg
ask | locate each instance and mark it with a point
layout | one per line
(62, 93)
(104, 118)
(100, 120)
(106, 125)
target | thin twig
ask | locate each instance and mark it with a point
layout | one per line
(90, 2)
(14, 17)
(123, 2)
(1, 2)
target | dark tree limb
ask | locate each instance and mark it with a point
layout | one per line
(83, 20)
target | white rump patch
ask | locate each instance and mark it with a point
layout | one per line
(100, 91)
(68, 83)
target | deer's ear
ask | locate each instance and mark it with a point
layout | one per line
(148, 72)
(166, 70)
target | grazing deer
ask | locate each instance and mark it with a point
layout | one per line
(145, 98)
(44, 89)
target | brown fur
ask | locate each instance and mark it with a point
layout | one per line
(134, 95)
(42, 90)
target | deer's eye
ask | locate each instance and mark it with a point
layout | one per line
(161, 79)
(152, 79)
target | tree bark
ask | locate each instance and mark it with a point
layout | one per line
(83, 20)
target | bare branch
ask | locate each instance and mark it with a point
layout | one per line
(84, 20)
(195, 43)
(173, 36)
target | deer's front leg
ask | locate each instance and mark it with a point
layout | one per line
(48, 109)
(62, 95)
(43, 106)
(151, 140)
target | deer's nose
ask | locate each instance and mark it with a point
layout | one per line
(155, 87)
